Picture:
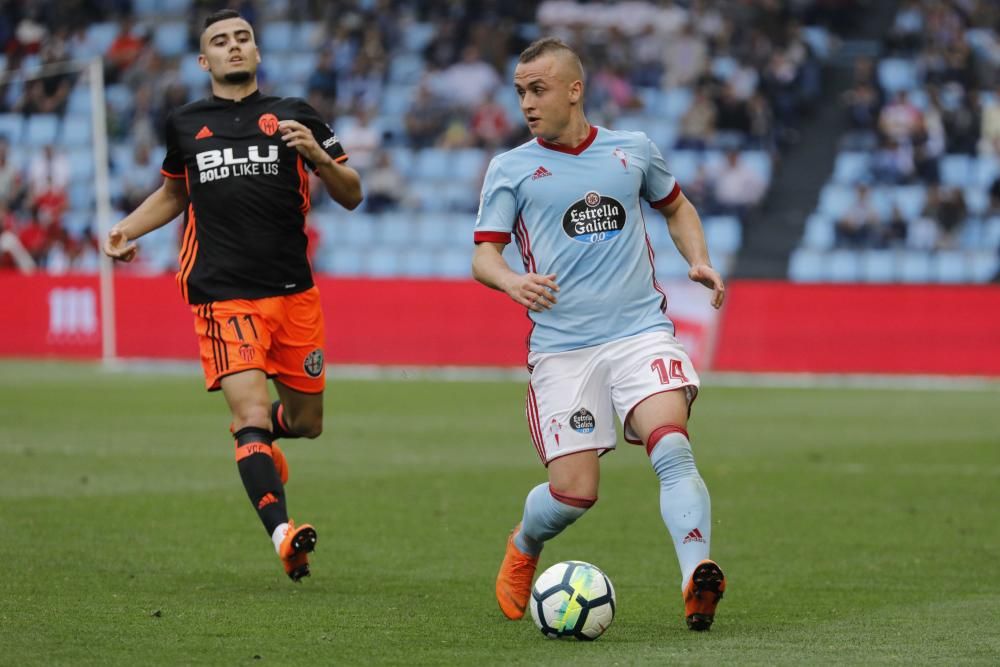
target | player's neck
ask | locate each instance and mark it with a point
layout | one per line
(234, 91)
(574, 134)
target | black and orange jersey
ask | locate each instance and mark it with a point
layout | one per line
(244, 234)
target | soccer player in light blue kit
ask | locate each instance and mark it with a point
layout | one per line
(601, 342)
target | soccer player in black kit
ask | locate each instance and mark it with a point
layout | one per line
(236, 165)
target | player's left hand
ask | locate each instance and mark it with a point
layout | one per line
(301, 138)
(710, 278)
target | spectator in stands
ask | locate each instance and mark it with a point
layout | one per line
(48, 170)
(893, 163)
(989, 134)
(994, 205)
(697, 125)
(12, 188)
(732, 117)
(685, 58)
(860, 226)
(140, 179)
(906, 33)
(963, 122)
(738, 187)
(862, 103)
(126, 48)
(322, 85)
(893, 233)
(50, 93)
(761, 135)
(384, 185)
(363, 141)
(946, 209)
(467, 82)
(489, 124)
(900, 120)
(426, 118)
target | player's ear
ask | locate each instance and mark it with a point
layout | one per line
(575, 91)
(203, 61)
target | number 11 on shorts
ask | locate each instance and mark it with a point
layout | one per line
(676, 371)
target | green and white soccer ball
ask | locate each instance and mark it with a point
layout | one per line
(573, 599)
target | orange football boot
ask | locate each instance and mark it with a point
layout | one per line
(295, 548)
(514, 579)
(702, 595)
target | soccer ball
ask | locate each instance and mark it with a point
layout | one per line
(573, 599)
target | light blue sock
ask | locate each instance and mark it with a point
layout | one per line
(545, 517)
(684, 503)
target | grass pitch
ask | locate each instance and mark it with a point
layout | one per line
(855, 526)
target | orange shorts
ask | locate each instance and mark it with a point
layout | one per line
(280, 335)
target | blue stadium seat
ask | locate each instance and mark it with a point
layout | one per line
(101, 35)
(403, 159)
(683, 164)
(914, 266)
(818, 40)
(723, 67)
(759, 161)
(670, 264)
(406, 68)
(910, 200)
(434, 231)
(807, 266)
(674, 102)
(834, 200)
(844, 266)
(42, 129)
(877, 266)
(81, 196)
(984, 266)
(954, 170)
(119, 97)
(76, 223)
(81, 165)
(171, 38)
(991, 232)
(344, 261)
(895, 74)
(191, 73)
(416, 36)
(308, 34)
(470, 166)
(663, 133)
(949, 266)
(435, 164)
(977, 200)
(455, 263)
(850, 168)
(395, 229)
(78, 103)
(75, 131)
(418, 263)
(357, 231)
(12, 127)
(277, 37)
(986, 170)
(382, 262)
(289, 67)
(819, 232)
(723, 234)
(396, 99)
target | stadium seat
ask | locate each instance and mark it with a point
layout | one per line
(455, 263)
(418, 263)
(984, 266)
(344, 261)
(406, 68)
(119, 97)
(396, 99)
(277, 37)
(986, 170)
(895, 74)
(954, 170)
(877, 266)
(991, 232)
(81, 196)
(171, 38)
(675, 102)
(723, 233)
(470, 167)
(683, 165)
(78, 103)
(818, 40)
(834, 200)
(949, 266)
(416, 36)
(914, 266)
(42, 129)
(395, 229)
(12, 127)
(100, 36)
(435, 164)
(807, 266)
(910, 200)
(759, 162)
(381, 262)
(433, 231)
(403, 159)
(357, 231)
(844, 266)
(819, 232)
(977, 200)
(81, 164)
(75, 131)
(850, 168)
(308, 34)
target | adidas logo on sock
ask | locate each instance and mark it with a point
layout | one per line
(693, 536)
(266, 500)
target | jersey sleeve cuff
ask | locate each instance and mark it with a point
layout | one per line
(492, 237)
(169, 175)
(660, 203)
(339, 160)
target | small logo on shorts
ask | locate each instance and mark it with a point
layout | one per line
(313, 364)
(583, 421)
(554, 428)
(247, 352)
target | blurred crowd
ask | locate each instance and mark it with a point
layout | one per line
(930, 105)
(415, 75)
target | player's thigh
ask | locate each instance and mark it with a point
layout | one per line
(654, 384)
(568, 404)
(296, 357)
(247, 397)
(577, 475)
(233, 336)
(303, 413)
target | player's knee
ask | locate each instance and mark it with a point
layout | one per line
(305, 426)
(257, 416)
(582, 496)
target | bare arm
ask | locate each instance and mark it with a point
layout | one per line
(342, 182)
(159, 208)
(531, 290)
(689, 237)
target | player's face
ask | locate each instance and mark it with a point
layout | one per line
(229, 52)
(548, 92)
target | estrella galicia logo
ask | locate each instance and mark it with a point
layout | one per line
(583, 421)
(594, 219)
(313, 364)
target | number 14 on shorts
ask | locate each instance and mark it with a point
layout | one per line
(668, 370)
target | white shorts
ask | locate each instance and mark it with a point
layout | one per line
(574, 395)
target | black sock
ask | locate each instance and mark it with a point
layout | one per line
(260, 478)
(278, 422)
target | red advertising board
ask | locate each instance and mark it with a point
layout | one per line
(765, 326)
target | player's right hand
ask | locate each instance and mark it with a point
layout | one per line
(117, 246)
(533, 291)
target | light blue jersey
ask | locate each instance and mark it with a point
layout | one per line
(576, 213)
